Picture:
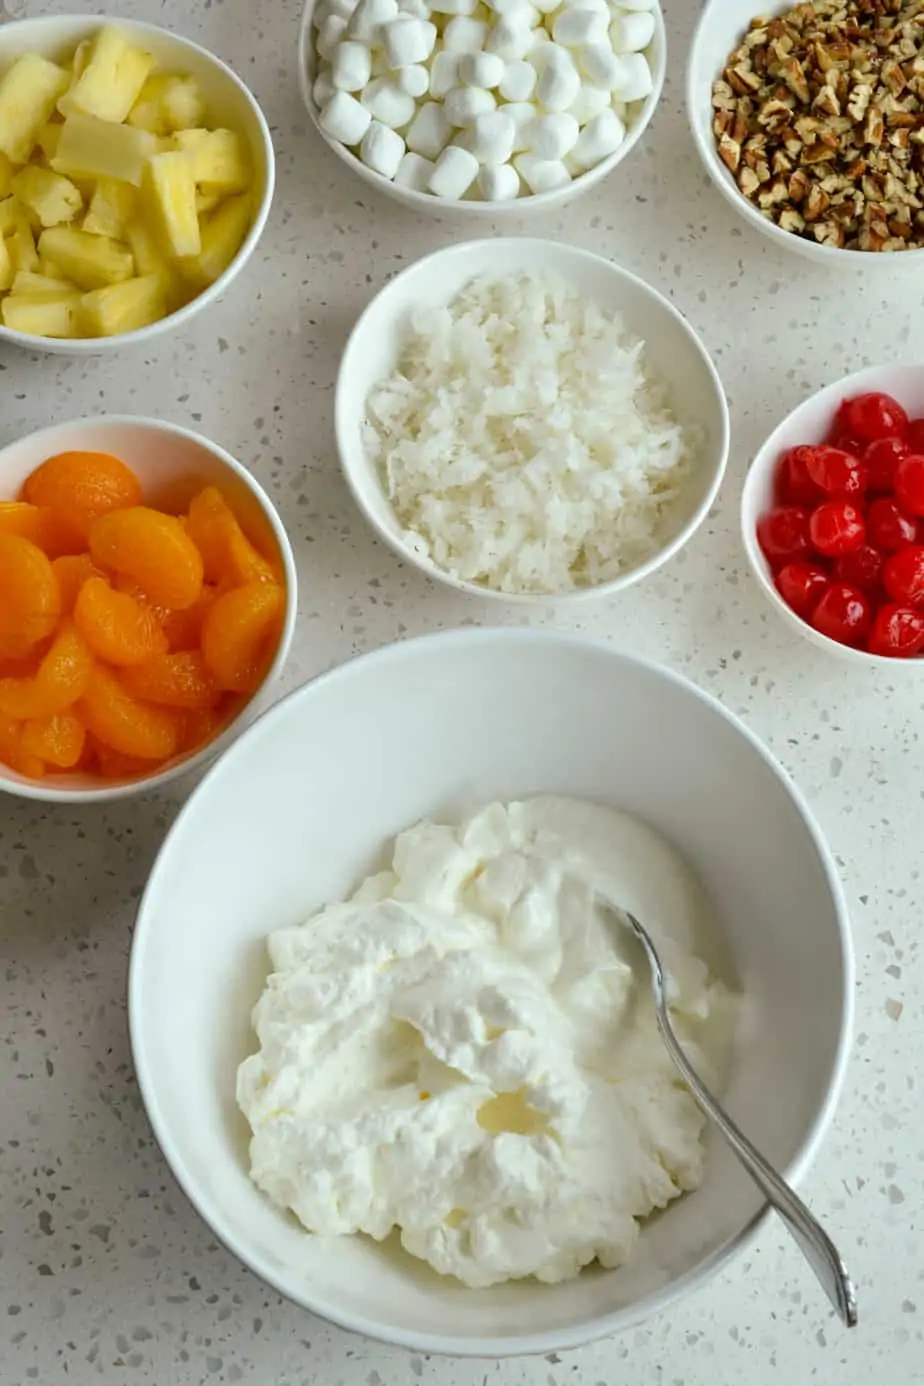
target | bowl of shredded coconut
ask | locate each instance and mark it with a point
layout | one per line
(526, 420)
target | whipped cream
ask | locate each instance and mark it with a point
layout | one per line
(464, 1051)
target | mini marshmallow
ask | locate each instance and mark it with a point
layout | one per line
(455, 172)
(343, 9)
(517, 11)
(558, 83)
(382, 149)
(352, 65)
(417, 9)
(464, 35)
(329, 35)
(453, 6)
(601, 66)
(444, 73)
(552, 136)
(463, 104)
(518, 82)
(541, 175)
(481, 70)
(546, 6)
(388, 104)
(635, 81)
(344, 119)
(590, 101)
(323, 88)
(407, 40)
(522, 113)
(491, 137)
(510, 41)
(415, 80)
(414, 172)
(499, 183)
(631, 33)
(600, 137)
(368, 18)
(429, 131)
(575, 28)
(539, 40)
(637, 4)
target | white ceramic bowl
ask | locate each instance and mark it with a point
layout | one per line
(298, 812)
(811, 422)
(721, 27)
(172, 464)
(674, 353)
(230, 104)
(471, 208)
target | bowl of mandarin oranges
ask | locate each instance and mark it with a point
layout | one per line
(833, 518)
(148, 601)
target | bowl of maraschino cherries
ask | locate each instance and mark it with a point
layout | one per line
(833, 516)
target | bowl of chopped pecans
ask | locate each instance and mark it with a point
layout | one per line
(810, 121)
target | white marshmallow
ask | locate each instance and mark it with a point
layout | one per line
(455, 172)
(343, 9)
(601, 66)
(368, 18)
(414, 172)
(541, 175)
(590, 101)
(499, 183)
(463, 104)
(329, 35)
(491, 137)
(407, 40)
(637, 4)
(388, 104)
(518, 11)
(481, 70)
(558, 83)
(323, 88)
(574, 28)
(465, 35)
(453, 6)
(546, 6)
(382, 149)
(344, 119)
(540, 40)
(429, 131)
(444, 73)
(415, 80)
(631, 33)
(521, 113)
(518, 82)
(352, 65)
(600, 137)
(510, 41)
(552, 136)
(621, 110)
(417, 9)
(635, 81)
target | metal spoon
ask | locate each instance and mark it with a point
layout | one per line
(814, 1242)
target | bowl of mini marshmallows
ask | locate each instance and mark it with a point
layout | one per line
(465, 104)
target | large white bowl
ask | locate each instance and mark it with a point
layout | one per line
(472, 208)
(674, 353)
(721, 27)
(299, 810)
(230, 104)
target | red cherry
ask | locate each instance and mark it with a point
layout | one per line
(873, 416)
(909, 483)
(847, 443)
(836, 527)
(898, 631)
(843, 614)
(903, 575)
(794, 485)
(800, 585)
(836, 472)
(881, 459)
(862, 569)
(783, 534)
(915, 436)
(887, 528)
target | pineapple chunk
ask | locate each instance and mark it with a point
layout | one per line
(124, 307)
(171, 191)
(17, 231)
(219, 160)
(168, 103)
(50, 197)
(6, 175)
(108, 86)
(91, 148)
(111, 208)
(28, 92)
(48, 139)
(91, 261)
(30, 285)
(206, 203)
(222, 237)
(81, 58)
(7, 273)
(43, 317)
(145, 248)
(148, 112)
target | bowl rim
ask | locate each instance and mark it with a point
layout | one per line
(547, 1340)
(827, 255)
(106, 793)
(520, 206)
(90, 346)
(762, 466)
(559, 250)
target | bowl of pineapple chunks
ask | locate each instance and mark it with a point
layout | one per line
(136, 177)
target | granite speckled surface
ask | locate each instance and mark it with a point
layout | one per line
(106, 1273)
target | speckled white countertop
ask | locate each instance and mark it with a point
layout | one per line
(106, 1273)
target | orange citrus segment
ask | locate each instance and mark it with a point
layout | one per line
(11, 751)
(72, 571)
(61, 678)
(239, 632)
(118, 629)
(80, 486)
(227, 553)
(183, 629)
(125, 724)
(30, 602)
(174, 680)
(55, 740)
(201, 727)
(153, 550)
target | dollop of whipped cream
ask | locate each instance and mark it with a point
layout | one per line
(466, 1050)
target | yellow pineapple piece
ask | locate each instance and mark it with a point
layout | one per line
(145, 247)
(108, 86)
(148, 112)
(222, 236)
(171, 192)
(48, 139)
(92, 148)
(124, 307)
(206, 202)
(183, 104)
(16, 229)
(111, 208)
(6, 175)
(50, 197)
(81, 58)
(43, 317)
(31, 285)
(91, 262)
(28, 92)
(7, 273)
(220, 161)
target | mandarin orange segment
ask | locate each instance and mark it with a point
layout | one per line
(125, 724)
(227, 553)
(199, 728)
(72, 571)
(81, 486)
(47, 530)
(239, 633)
(183, 629)
(117, 627)
(30, 602)
(153, 550)
(55, 740)
(11, 751)
(60, 679)
(179, 680)
(113, 765)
